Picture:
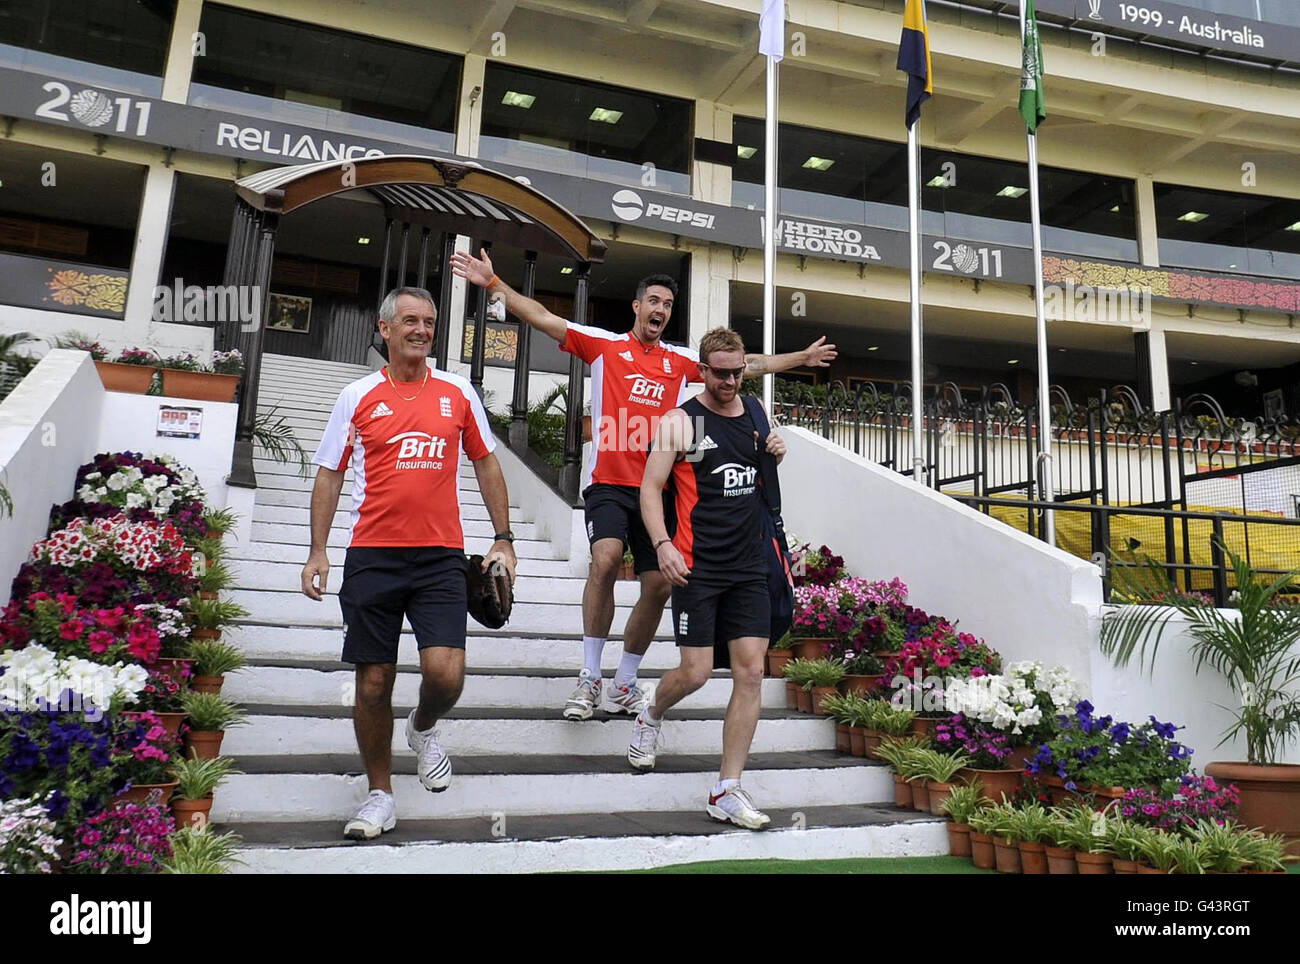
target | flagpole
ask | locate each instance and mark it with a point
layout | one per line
(1045, 484)
(769, 221)
(914, 237)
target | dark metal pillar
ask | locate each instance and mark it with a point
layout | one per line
(384, 262)
(523, 363)
(422, 269)
(443, 336)
(263, 253)
(570, 475)
(400, 280)
(480, 334)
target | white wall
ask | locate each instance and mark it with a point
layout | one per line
(129, 423)
(1174, 693)
(1027, 599)
(49, 426)
(112, 333)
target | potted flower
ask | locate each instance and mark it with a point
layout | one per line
(796, 674)
(939, 769)
(984, 823)
(1264, 853)
(1032, 826)
(212, 660)
(210, 616)
(1003, 830)
(824, 676)
(816, 621)
(890, 724)
(184, 376)
(862, 671)
(131, 371)
(210, 716)
(988, 754)
(197, 850)
(214, 577)
(1083, 831)
(912, 767)
(1124, 839)
(197, 778)
(130, 838)
(778, 654)
(1022, 702)
(958, 805)
(895, 752)
(838, 709)
(163, 696)
(144, 752)
(219, 522)
(627, 570)
(29, 844)
(1193, 800)
(1255, 650)
(1168, 853)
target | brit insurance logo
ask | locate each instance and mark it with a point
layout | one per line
(737, 479)
(629, 206)
(646, 391)
(419, 450)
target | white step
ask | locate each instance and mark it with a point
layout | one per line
(272, 361)
(300, 535)
(482, 650)
(563, 850)
(561, 589)
(291, 606)
(300, 515)
(529, 554)
(278, 733)
(277, 684)
(320, 796)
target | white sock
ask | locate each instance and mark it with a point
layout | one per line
(627, 668)
(648, 716)
(592, 648)
(722, 786)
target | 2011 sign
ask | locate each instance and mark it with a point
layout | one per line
(967, 259)
(94, 108)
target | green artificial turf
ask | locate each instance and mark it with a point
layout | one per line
(865, 865)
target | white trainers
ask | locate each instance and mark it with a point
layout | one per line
(734, 806)
(627, 699)
(377, 815)
(584, 700)
(431, 763)
(645, 737)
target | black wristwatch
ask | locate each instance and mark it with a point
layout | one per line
(506, 536)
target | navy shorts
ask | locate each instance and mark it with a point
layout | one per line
(614, 512)
(381, 584)
(715, 608)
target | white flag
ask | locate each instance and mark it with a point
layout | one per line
(771, 29)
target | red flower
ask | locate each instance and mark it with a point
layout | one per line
(100, 641)
(72, 629)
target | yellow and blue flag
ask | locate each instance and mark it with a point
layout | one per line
(914, 58)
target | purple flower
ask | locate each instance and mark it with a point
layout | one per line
(1119, 733)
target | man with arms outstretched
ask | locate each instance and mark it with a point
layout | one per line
(635, 379)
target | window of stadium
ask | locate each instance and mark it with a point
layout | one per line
(304, 74)
(591, 130)
(861, 180)
(1226, 231)
(126, 40)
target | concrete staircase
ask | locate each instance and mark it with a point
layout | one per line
(531, 792)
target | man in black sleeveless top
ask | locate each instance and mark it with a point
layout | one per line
(715, 562)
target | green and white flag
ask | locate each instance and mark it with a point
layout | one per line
(1033, 107)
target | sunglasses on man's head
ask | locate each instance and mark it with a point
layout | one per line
(722, 374)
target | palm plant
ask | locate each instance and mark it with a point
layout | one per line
(212, 657)
(214, 614)
(15, 364)
(895, 722)
(1255, 652)
(963, 801)
(200, 851)
(220, 520)
(215, 577)
(894, 752)
(825, 672)
(209, 711)
(942, 767)
(197, 779)
(276, 438)
(1172, 853)
(1031, 823)
(1222, 847)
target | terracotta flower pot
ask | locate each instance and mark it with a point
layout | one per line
(981, 851)
(203, 386)
(860, 684)
(804, 698)
(902, 792)
(586, 428)
(810, 647)
(204, 744)
(996, 783)
(1270, 797)
(958, 839)
(1006, 856)
(1146, 869)
(920, 796)
(141, 792)
(132, 379)
(1060, 860)
(1033, 857)
(206, 684)
(205, 634)
(857, 741)
(1124, 866)
(843, 739)
(171, 722)
(627, 571)
(1093, 863)
(791, 695)
(938, 792)
(192, 813)
(820, 693)
(205, 594)
(924, 726)
(215, 534)
(871, 743)
(1019, 756)
(1056, 787)
(776, 660)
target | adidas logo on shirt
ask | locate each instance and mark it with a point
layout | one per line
(706, 443)
(625, 355)
(381, 409)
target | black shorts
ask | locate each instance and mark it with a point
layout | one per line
(381, 584)
(614, 512)
(715, 608)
